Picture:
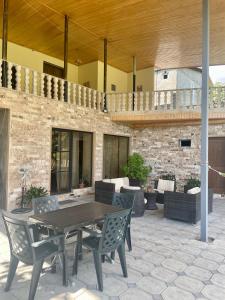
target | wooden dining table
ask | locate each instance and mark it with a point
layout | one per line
(75, 217)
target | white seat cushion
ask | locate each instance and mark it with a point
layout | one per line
(133, 188)
(118, 183)
(106, 180)
(194, 190)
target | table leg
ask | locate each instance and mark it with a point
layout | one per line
(64, 263)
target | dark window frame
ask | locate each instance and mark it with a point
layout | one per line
(70, 150)
(46, 64)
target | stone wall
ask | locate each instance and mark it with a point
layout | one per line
(31, 122)
(4, 144)
(161, 149)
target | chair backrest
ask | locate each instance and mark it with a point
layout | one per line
(165, 185)
(123, 200)
(20, 239)
(114, 230)
(45, 204)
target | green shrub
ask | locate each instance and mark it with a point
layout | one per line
(192, 183)
(33, 192)
(135, 168)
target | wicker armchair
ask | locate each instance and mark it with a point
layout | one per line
(185, 207)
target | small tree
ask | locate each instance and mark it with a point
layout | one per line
(135, 168)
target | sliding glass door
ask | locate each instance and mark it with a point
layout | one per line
(116, 149)
(71, 160)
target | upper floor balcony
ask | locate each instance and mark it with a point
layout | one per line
(140, 109)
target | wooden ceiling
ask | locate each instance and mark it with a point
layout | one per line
(161, 33)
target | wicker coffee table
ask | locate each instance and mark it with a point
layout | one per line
(151, 201)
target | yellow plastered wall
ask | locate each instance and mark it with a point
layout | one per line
(114, 76)
(89, 73)
(34, 60)
(144, 77)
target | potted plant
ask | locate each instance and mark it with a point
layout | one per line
(136, 170)
(33, 192)
(192, 183)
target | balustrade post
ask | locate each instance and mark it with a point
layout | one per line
(130, 101)
(27, 80)
(9, 75)
(141, 99)
(56, 88)
(49, 95)
(74, 91)
(34, 83)
(68, 91)
(61, 90)
(79, 95)
(42, 84)
(18, 78)
(94, 99)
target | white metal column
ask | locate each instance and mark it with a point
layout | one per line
(204, 123)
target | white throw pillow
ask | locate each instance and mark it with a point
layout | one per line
(195, 190)
(126, 181)
(132, 188)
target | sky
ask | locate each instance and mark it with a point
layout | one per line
(217, 74)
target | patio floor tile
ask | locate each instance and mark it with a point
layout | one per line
(214, 292)
(174, 293)
(189, 284)
(152, 285)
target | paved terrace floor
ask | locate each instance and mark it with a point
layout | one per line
(167, 262)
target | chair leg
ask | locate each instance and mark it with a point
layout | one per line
(121, 252)
(79, 238)
(128, 239)
(103, 258)
(113, 255)
(76, 259)
(12, 270)
(98, 268)
(35, 278)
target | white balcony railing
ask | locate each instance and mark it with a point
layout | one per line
(168, 100)
(31, 82)
(19, 78)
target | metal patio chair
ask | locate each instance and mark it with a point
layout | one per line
(126, 201)
(23, 247)
(111, 239)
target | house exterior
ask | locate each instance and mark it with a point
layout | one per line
(70, 132)
(174, 79)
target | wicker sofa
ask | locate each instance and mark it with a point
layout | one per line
(105, 189)
(185, 207)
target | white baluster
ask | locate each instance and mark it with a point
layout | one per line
(56, 88)
(68, 92)
(123, 102)
(18, 78)
(34, 83)
(130, 102)
(89, 98)
(62, 90)
(84, 96)
(171, 100)
(27, 80)
(9, 75)
(79, 95)
(74, 91)
(147, 101)
(94, 99)
(141, 101)
(42, 84)
(49, 85)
